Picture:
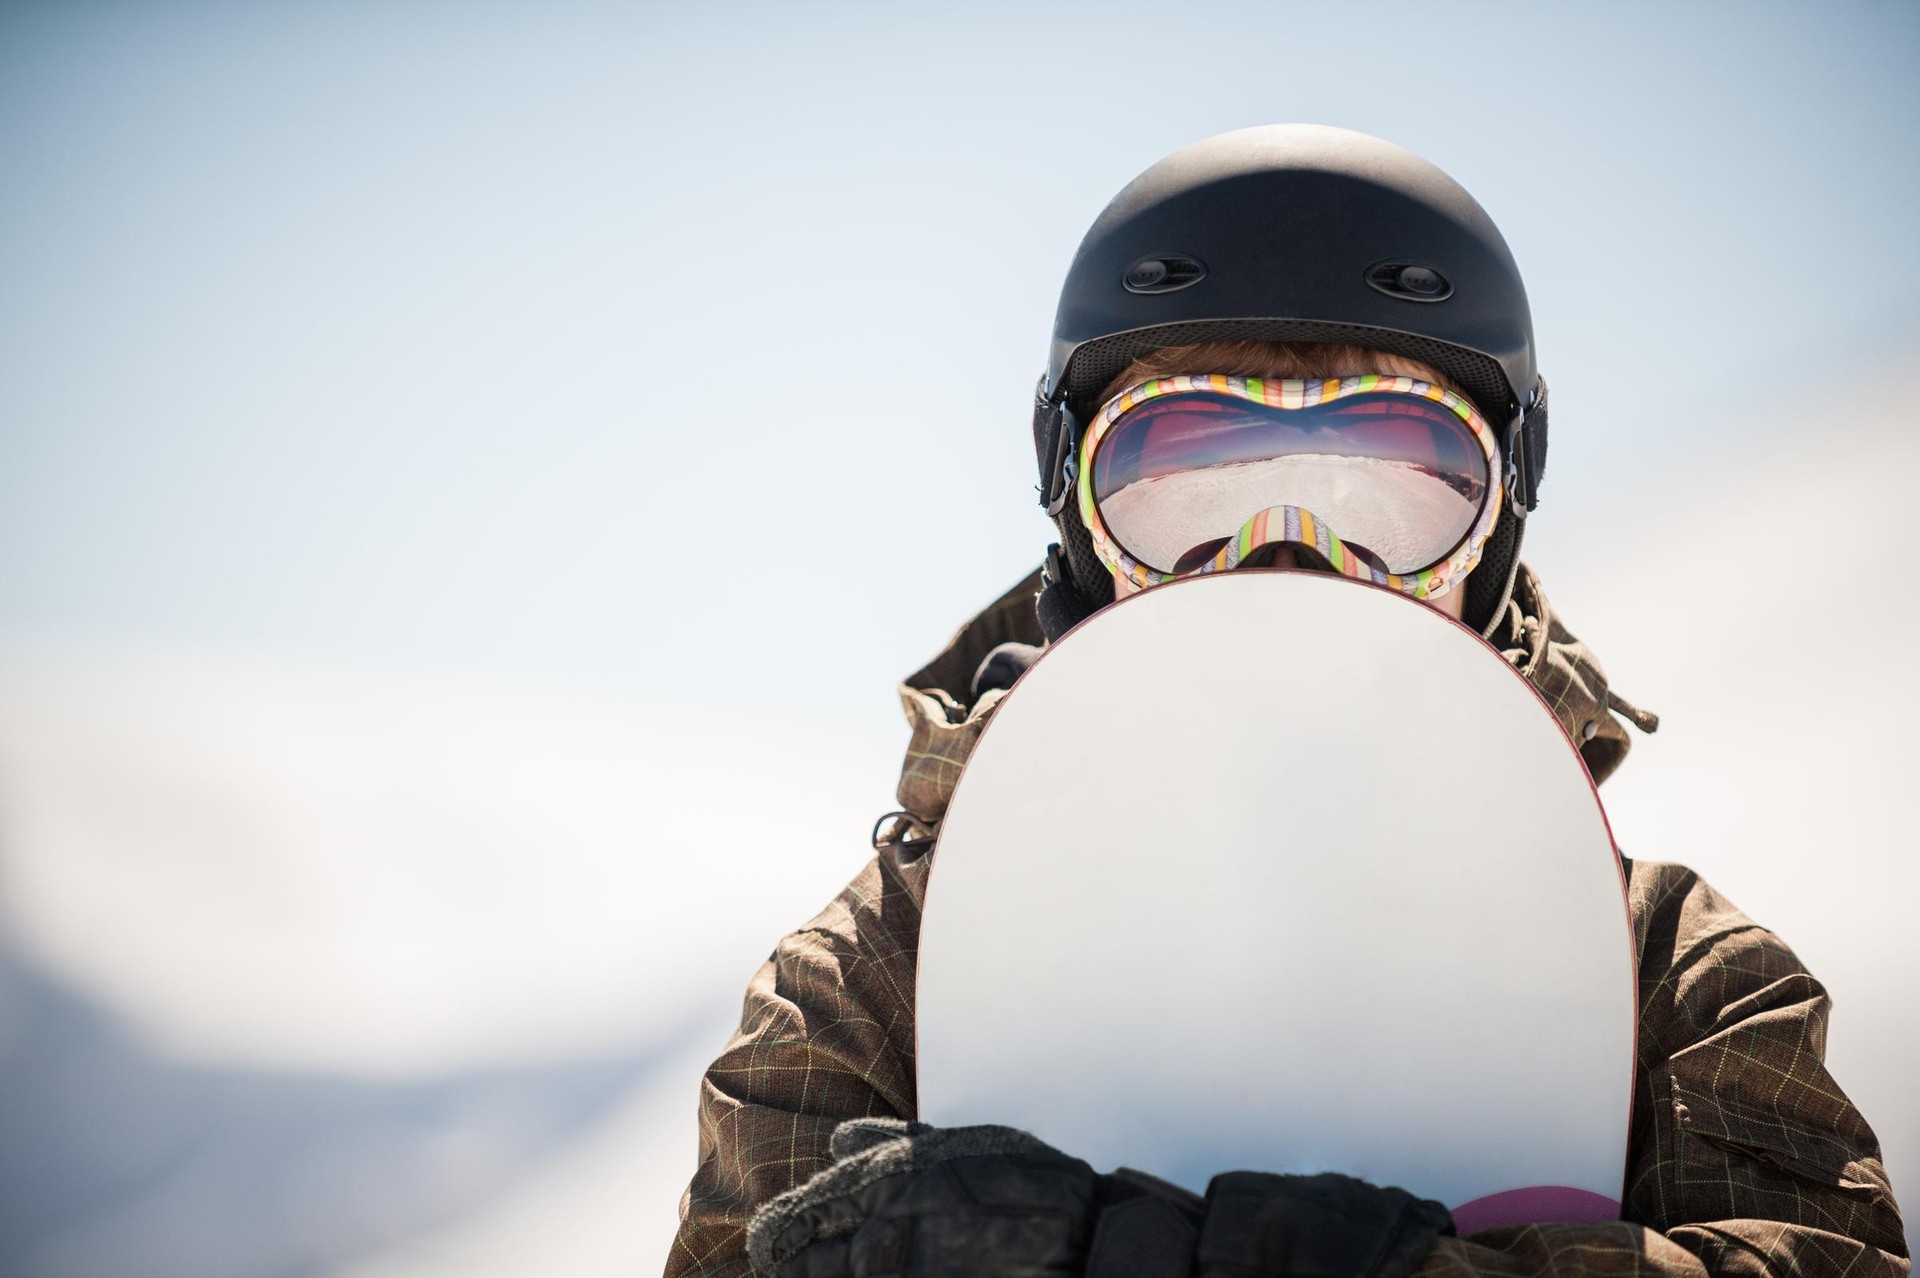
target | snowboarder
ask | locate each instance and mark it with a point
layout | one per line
(1296, 256)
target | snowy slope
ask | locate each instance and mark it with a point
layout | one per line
(299, 964)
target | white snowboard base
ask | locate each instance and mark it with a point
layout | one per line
(1281, 871)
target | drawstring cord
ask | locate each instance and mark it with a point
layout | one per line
(905, 833)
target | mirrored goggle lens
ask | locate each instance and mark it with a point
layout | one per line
(1401, 476)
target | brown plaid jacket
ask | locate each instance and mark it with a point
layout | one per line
(1745, 1156)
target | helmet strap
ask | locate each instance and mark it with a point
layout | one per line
(1059, 606)
(1490, 584)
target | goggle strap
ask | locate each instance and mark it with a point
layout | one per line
(1513, 447)
(1060, 435)
(1534, 445)
(1045, 423)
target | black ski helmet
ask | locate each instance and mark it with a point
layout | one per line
(1301, 233)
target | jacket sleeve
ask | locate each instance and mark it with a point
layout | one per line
(826, 1034)
(1745, 1157)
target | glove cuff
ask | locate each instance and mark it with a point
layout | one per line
(866, 1150)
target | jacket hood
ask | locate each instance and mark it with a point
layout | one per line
(950, 699)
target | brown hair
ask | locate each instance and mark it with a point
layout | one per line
(1273, 359)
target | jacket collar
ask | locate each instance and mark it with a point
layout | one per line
(946, 719)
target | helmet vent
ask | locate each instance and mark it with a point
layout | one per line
(1163, 273)
(1410, 281)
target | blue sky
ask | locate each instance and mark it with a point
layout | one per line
(480, 335)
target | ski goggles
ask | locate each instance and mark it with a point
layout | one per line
(1181, 476)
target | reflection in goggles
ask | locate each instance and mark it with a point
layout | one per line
(1401, 476)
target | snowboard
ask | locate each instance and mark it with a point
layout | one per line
(1282, 871)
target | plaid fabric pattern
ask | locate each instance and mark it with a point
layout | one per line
(944, 726)
(1745, 1156)
(1565, 672)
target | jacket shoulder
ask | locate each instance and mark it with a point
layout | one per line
(826, 1034)
(1703, 961)
(1737, 1118)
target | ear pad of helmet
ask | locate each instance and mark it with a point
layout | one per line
(1491, 581)
(1075, 584)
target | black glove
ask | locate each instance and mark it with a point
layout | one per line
(1326, 1226)
(916, 1201)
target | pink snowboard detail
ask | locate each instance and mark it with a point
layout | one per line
(1536, 1204)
